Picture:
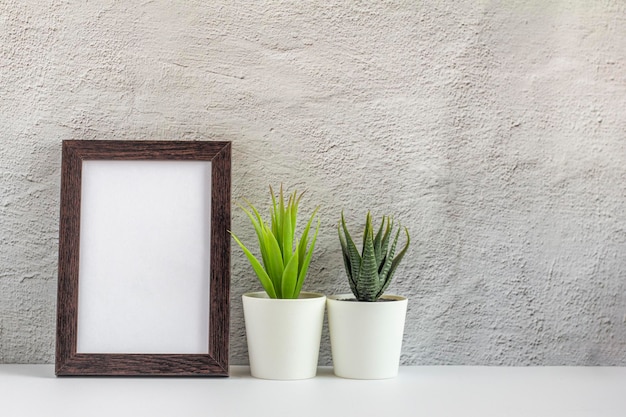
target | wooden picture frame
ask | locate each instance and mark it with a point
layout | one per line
(143, 235)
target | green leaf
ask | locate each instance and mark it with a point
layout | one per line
(274, 213)
(386, 236)
(353, 253)
(367, 281)
(368, 229)
(346, 260)
(257, 223)
(258, 269)
(307, 260)
(295, 200)
(387, 265)
(290, 277)
(378, 243)
(287, 242)
(276, 261)
(281, 210)
(276, 244)
(304, 240)
(395, 262)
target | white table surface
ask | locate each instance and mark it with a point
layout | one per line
(33, 390)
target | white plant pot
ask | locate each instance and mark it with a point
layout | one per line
(283, 335)
(366, 338)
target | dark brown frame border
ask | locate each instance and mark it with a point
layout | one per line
(215, 361)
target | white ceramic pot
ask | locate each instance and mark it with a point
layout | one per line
(366, 338)
(283, 335)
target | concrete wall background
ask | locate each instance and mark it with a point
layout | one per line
(494, 130)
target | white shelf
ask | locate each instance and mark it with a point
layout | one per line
(33, 390)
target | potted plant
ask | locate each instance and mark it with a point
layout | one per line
(366, 327)
(283, 324)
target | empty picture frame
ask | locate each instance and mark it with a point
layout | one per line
(144, 258)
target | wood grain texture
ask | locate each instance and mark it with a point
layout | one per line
(220, 256)
(215, 361)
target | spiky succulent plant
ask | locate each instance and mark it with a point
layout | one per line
(370, 272)
(285, 258)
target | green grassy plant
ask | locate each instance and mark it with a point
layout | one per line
(370, 272)
(285, 258)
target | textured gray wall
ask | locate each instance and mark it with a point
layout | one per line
(494, 130)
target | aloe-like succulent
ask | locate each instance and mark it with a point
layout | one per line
(285, 258)
(370, 272)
